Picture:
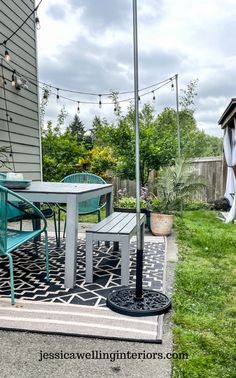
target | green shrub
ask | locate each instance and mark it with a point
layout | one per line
(197, 205)
(130, 203)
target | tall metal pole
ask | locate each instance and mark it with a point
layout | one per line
(129, 301)
(137, 163)
(177, 112)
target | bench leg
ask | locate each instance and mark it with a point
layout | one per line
(115, 246)
(125, 258)
(89, 258)
(142, 236)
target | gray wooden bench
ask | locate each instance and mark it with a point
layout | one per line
(117, 227)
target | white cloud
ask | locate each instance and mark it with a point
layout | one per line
(87, 45)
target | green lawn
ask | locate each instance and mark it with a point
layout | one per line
(204, 301)
(88, 218)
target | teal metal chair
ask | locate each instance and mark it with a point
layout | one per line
(16, 214)
(90, 206)
(11, 239)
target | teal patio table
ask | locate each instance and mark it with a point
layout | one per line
(71, 194)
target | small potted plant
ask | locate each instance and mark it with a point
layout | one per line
(161, 216)
(175, 185)
(127, 204)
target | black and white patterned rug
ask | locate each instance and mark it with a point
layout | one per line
(30, 282)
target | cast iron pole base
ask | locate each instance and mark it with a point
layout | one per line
(125, 302)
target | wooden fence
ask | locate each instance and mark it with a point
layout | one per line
(211, 168)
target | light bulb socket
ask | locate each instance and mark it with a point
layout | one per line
(7, 56)
(13, 80)
(37, 23)
(100, 101)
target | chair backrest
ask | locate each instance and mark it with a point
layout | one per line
(93, 204)
(8, 197)
(13, 212)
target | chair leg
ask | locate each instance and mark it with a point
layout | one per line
(46, 254)
(55, 228)
(64, 231)
(99, 216)
(59, 229)
(21, 224)
(35, 239)
(99, 220)
(11, 279)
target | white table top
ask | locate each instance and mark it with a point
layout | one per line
(62, 187)
(42, 191)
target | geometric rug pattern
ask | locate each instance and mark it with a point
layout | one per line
(30, 282)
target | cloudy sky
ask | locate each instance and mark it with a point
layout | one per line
(87, 45)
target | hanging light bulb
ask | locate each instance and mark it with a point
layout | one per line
(115, 109)
(153, 96)
(37, 22)
(172, 85)
(139, 98)
(58, 96)
(78, 107)
(6, 56)
(100, 101)
(45, 94)
(13, 79)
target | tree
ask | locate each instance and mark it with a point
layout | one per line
(60, 153)
(186, 101)
(194, 142)
(77, 129)
(121, 138)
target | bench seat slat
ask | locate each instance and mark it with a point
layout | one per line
(117, 225)
(114, 216)
(131, 225)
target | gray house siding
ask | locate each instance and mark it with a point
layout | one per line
(22, 131)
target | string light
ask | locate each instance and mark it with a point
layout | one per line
(45, 94)
(46, 91)
(6, 55)
(164, 82)
(58, 96)
(37, 22)
(109, 103)
(78, 107)
(153, 96)
(172, 85)
(13, 79)
(100, 101)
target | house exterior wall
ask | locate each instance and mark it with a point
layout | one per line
(22, 131)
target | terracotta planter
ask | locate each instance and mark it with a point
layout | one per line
(161, 224)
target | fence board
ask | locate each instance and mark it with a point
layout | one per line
(211, 168)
